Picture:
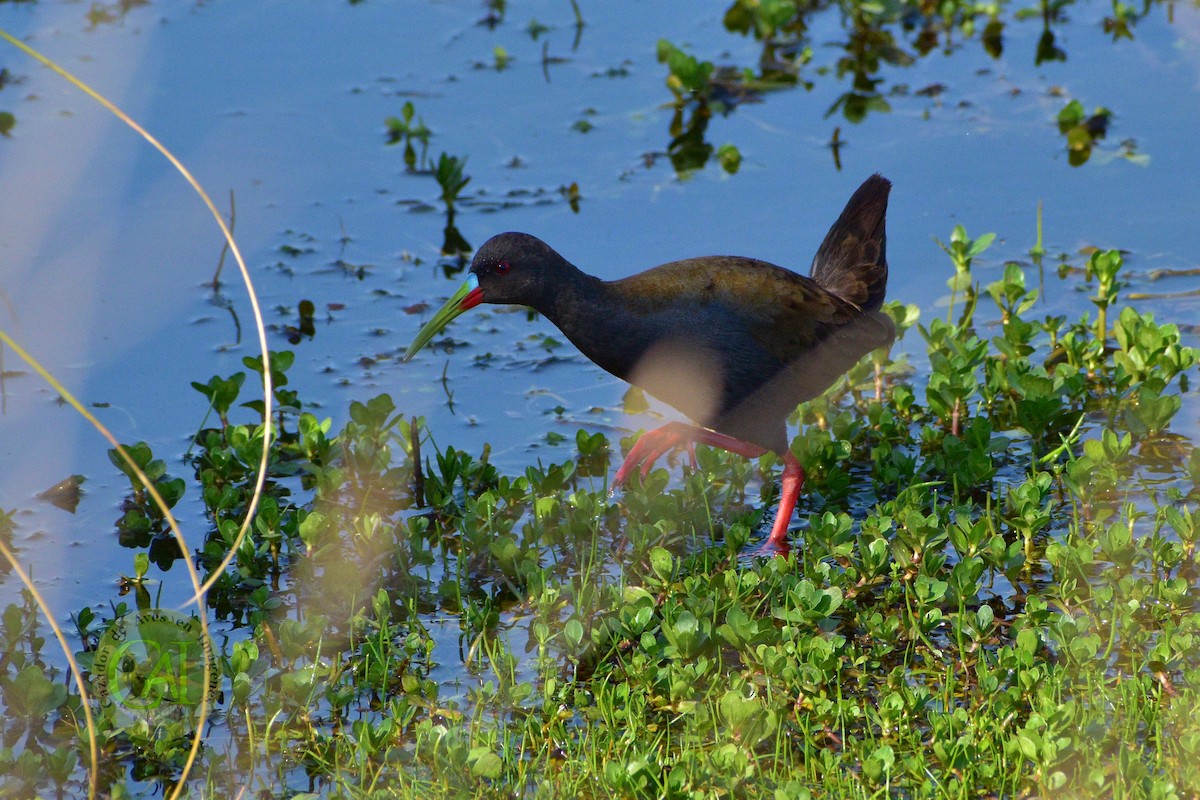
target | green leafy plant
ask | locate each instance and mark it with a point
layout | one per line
(407, 129)
(688, 78)
(962, 251)
(450, 177)
(1082, 131)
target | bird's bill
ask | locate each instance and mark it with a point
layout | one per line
(468, 296)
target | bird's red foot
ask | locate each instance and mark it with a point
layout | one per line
(649, 447)
(768, 549)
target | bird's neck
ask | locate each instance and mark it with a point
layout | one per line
(571, 292)
(588, 311)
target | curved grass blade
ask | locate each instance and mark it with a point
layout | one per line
(268, 393)
(175, 531)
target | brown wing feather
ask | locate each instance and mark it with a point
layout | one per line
(852, 260)
(786, 313)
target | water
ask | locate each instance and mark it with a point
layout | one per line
(107, 253)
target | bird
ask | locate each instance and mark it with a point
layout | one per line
(734, 343)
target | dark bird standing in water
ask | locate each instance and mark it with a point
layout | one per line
(732, 342)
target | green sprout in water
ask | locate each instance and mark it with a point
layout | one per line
(1103, 267)
(449, 175)
(407, 130)
(962, 251)
(688, 77)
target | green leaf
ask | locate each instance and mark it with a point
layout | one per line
(981, 244)
(573, 631)
(485, 763)
(661, 563)
(729, 157)
(32, 695)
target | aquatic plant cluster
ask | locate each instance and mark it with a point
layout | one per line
(993, 592)
(877, 37)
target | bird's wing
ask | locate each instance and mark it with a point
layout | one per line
(784, 313)
(753, 338)
(804, 321)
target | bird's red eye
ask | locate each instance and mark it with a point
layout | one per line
(502, 267)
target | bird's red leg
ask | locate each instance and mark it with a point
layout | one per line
(653, 444)
(793, 479)
(727, 443)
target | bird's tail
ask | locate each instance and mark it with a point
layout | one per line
(852, 261)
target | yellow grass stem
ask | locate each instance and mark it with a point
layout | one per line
(167, 515)
(268, 393)
(84, 701)
(268, 396)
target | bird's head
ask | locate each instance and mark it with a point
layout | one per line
(511, 268)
